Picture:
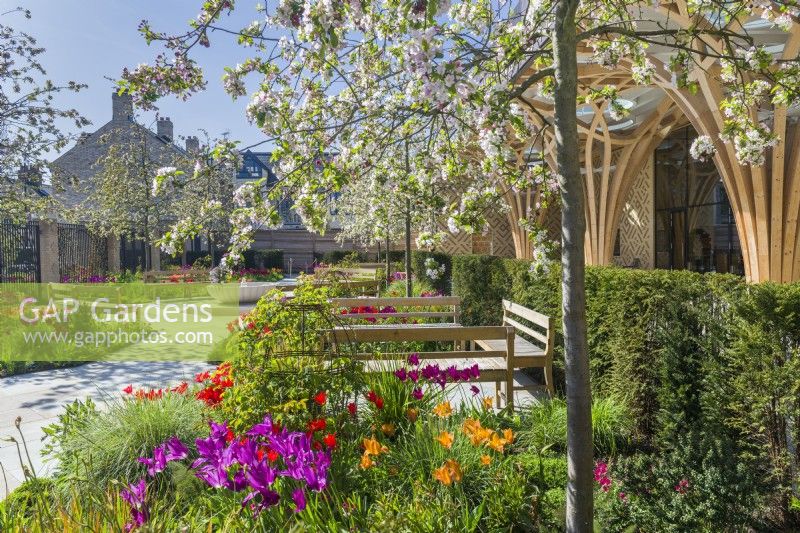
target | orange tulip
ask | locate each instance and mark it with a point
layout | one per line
(445, 439)
(443, 410)
(442, 475)
(366, 462)
(373, 447)
(450, 472)
(497, 443)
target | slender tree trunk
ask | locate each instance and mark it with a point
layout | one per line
(388, 262)
(573, 226)
(409, 288)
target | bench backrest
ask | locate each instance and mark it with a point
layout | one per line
(457, 335)
(415, 307)
(348, 273)
(538, 329)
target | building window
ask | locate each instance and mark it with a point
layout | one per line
(694, 223)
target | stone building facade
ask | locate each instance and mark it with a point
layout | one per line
(78, 166)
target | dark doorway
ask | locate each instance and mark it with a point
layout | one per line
(694, 224)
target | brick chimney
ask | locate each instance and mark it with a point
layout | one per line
(192, 144)
(164, 128)
(122, 107)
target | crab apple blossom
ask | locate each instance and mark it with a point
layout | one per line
(429, 103)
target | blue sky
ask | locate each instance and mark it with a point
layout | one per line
(90, 40)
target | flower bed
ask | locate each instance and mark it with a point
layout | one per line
(269, 443)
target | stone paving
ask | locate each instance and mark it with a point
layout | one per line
(39, 397)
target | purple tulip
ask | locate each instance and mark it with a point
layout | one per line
(264, 429)
(417, 393)
(261, 476)
(413, 359)
(430, 372)
(453, 373)
(135, 496)
(157, 464)
(176, 451)
(401, 374)
(413, 375)
(299, 498)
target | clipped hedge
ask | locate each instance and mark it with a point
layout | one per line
(482, 282)
(681, 350)
(263, 259)
(334, 257)
(395, 256)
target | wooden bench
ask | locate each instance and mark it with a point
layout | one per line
(496, 364)
(533, 342)
(358, 272)
(408, 309)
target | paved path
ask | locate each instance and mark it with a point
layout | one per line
(39, 397)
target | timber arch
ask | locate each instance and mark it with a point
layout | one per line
(765, 200)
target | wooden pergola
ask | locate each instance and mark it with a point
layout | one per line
(765, 200)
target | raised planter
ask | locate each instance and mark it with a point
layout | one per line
(244, 293)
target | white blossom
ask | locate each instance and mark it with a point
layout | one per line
(702, 148)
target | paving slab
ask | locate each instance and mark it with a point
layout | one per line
(39, 397)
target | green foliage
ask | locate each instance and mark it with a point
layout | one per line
(678, 350)
(335, 257)
(424, 511)
(282, 365)
(553, 509)
(700, 485)
(93, 448)
(482, 283)
(442, 283)
(261, 259)
(395, 256)
(28, 499)
(199, 260)
(544, 425)
(397, 289)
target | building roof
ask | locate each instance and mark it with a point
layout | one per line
(256, 165)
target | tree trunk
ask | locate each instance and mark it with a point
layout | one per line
(409, 288)
(573, 226)
(388, 262)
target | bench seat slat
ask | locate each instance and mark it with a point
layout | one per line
(522, 348)
(428, 301)
(426, 358)
(441, 333)
(491, 368)
(410, 314)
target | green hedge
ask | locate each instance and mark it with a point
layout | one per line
(395, 256)
(482, 282)
(334, 257)
(681, 350)
(263, 259)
